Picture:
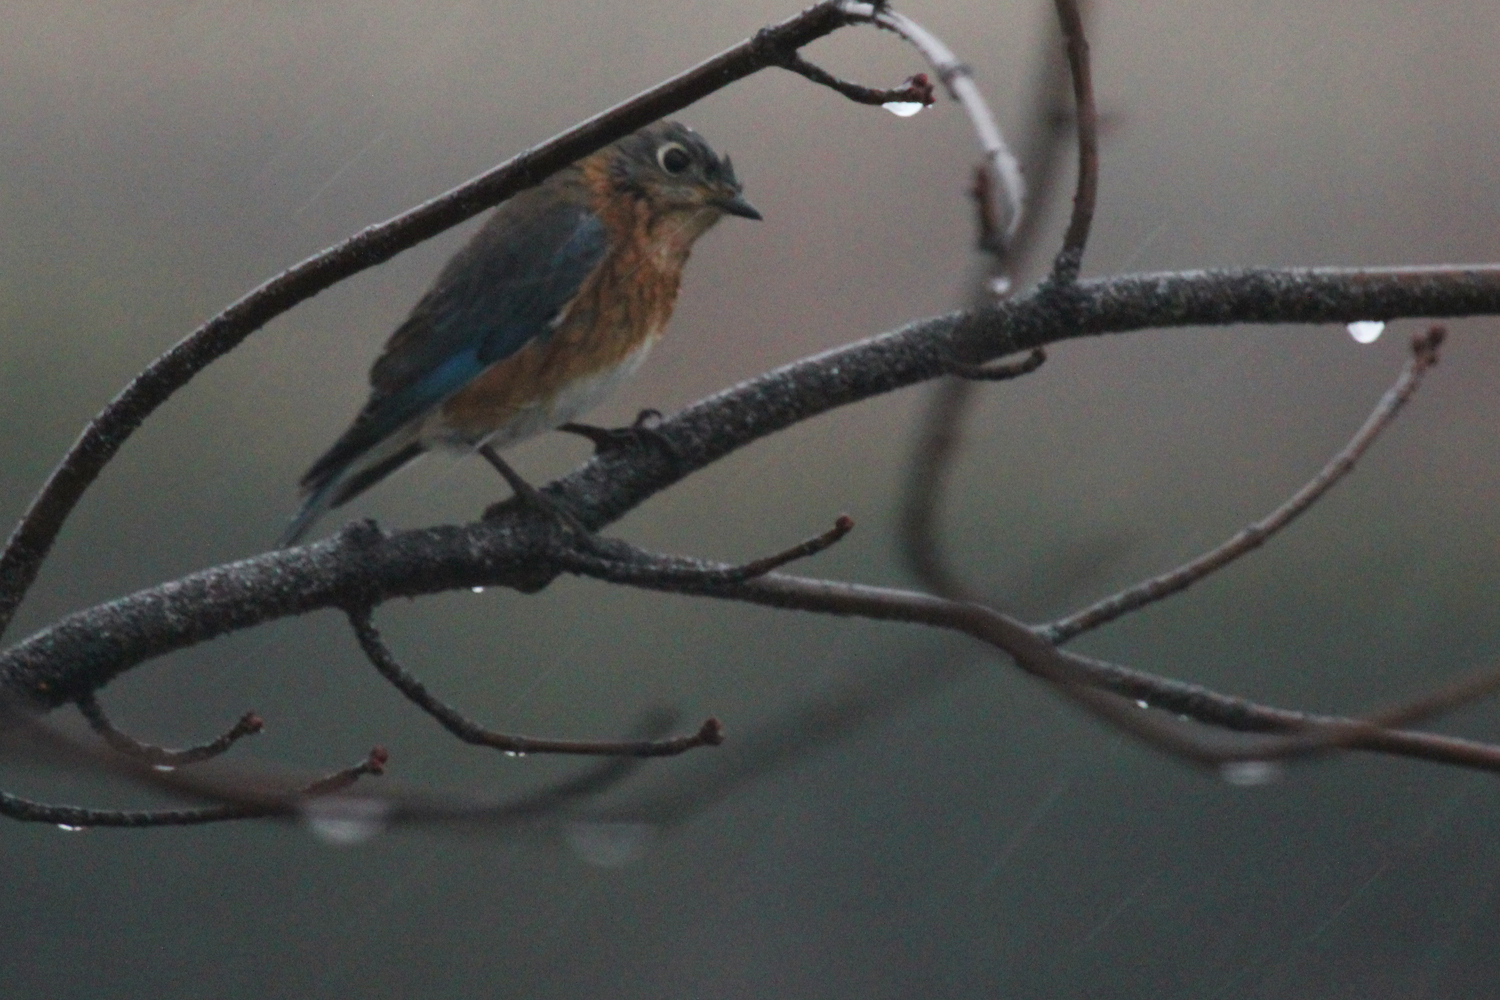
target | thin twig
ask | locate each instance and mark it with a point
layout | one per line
(617, 561)
(637, 563)
(915, 90)
(242, 794)
(711, 733)
(1424, 356)
(1070, 257)
(927, 471)
(148, 753)
(256, 806)
(842, 525)
(1083, 678)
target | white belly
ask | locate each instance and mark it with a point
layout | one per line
(573, 400)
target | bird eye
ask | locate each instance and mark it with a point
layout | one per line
(673, 158)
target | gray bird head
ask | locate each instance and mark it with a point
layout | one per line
(670, 164)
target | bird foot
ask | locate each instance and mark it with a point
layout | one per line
(636, 435)
(532, 497)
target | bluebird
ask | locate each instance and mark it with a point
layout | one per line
(556, 300)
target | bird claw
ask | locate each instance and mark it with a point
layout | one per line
(635, 435)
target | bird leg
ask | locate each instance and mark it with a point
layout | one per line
(530, 495)
(610, 439)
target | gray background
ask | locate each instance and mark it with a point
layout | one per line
(158, 159)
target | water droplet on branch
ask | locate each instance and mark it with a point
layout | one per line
(903, 109)
(1366, 331)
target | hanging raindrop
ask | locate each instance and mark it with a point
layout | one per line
(903, 109)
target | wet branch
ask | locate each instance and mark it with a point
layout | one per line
(1111, 690)
(362, 564)
(958, 79)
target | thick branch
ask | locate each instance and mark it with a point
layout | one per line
(363, 565)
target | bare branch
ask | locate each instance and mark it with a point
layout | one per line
(124, 743)
(1070, 257)
(362, 565)
(1087, 681)
(916, 90)
(79, 818)
(709, 734)
(1424, 356)
(620, 562)
(936, 442)
(802, 550)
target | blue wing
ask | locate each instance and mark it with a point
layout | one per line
(493, 298)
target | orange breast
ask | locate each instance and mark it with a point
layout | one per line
(619, 311)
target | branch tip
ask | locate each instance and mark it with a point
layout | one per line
(1424, 346)
(88, 705)
(915, 89)
(711, 733)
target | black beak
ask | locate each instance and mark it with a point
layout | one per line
(736, 204)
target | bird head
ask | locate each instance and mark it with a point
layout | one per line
(671, 166)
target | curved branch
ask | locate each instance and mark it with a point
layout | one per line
(249, 807)
(1050, 108)
(1070, 257)
(162, 757)
(711, 733)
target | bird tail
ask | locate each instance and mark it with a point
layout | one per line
(328, 486)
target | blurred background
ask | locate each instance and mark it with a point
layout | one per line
(897, 813)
